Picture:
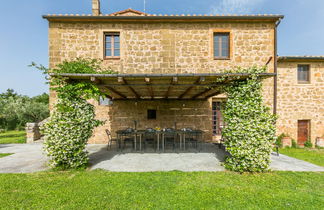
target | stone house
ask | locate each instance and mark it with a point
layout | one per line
(165, 63)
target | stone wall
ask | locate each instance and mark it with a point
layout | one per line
(32, 132)
(122, 114)
(163, 48)
(300, 101)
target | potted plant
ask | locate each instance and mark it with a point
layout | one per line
(285, 140)
(320, 141)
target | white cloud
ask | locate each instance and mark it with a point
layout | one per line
(236, 6)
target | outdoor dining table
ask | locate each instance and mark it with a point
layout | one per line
(160, 135)
(136, 134)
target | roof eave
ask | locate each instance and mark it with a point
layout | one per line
(300, 58)
(159, 18)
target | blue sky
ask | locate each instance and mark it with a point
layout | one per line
(23, 33)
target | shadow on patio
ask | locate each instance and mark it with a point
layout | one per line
(209, 158)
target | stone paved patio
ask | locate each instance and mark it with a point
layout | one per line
(29, 158)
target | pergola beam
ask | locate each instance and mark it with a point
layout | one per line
(149, 87)
(123, 81)
(97, 81)
(212, 94)
(198, 81)
(117, 92)
(201, 93)
(174, 80)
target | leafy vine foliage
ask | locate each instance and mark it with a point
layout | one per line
(72, 120)
(250, 126)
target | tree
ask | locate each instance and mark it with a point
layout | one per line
(16, 110)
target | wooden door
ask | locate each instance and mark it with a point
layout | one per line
(303, 131)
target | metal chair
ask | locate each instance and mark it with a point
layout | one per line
(128, 135)
(191, 137)
(150, 137)
(169, 136)
(110, 139)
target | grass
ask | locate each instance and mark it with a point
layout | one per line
(5, 154)
(162, 190)
(315, 156)
(13, 137)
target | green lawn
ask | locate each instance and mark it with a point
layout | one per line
(4, 154)
(13, 137)
(162, 190)
(315, 156)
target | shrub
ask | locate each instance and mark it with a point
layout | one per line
(67, 132)
(250, 127)
(308, 144)
(72, 121)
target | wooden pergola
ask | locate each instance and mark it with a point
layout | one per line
(160, 86)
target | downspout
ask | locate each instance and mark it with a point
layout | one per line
(275, 82)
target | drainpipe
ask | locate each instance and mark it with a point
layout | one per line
(275, 82)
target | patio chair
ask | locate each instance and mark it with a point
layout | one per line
(169, 137)
(150, 137)
(110, 139)
(128, 137)
(191, 137)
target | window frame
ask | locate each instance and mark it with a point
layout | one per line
(229, 48)
(103, 99)
(217, 118)
(112, 57)
(309, 74)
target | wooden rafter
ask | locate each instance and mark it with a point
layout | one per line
(174, 80)
(116, 92)
(103, 89)
(212, 94)
(123, 81)
(198, 81)
(95, 80)
(149, 87)
(201, 93)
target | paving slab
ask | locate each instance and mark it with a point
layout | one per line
(29, 158)
(286, 163)
(26, 158)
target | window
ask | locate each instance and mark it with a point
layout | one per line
(217, 118)
(151, 114)
(104, 101)
(112, 45)
(221, 45)
(303, 74)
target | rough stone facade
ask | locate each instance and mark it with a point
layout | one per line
(159, 47)
(300, 101)
(163, 47)
(32, 132)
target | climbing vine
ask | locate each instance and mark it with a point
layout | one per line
(250, 126)
(72, 120)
